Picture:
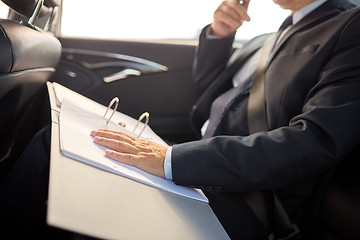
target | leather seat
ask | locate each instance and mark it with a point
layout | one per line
(335, 210)
(26, 7)
(28, 57)
(339, 214)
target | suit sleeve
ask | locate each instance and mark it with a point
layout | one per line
(313, 142)
(210, 59)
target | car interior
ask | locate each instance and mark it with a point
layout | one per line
(152, 76)
(29, 57)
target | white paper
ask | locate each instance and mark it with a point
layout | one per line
(76, 123)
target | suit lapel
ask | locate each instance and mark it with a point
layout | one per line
(243, 54)
(223, 82)
(322, 13)
(238, 58)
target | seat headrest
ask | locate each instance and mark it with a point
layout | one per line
(26, 7)
(24, 48)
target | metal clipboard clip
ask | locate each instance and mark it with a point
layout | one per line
(144, 115)
(116, 101)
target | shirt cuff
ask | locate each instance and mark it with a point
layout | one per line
(167, 164)
(209, 35)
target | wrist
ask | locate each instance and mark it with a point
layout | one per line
(167, 164)
(219, 32)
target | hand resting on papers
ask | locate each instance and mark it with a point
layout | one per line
(145, 155)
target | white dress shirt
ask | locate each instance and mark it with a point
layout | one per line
(246, 71)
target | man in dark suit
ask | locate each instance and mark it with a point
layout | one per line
(312, 95)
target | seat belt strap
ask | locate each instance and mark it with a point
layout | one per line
(266, 205)
(257, 120)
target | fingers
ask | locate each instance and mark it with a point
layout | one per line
(120, 136)
(121, 157)
(148, 163)
(117, 141)
(121, 146)
(112, 135)
(229, 16)
(145, 155)
(244, 3)
(239, 10)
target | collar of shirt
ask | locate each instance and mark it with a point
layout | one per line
(303, 12)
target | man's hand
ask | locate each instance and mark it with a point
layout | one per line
(229, 16)
(145, 155)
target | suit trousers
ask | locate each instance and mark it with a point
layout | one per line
(24, 192)
(237, 218)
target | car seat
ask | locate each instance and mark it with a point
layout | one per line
(28, 56)
(335, 210)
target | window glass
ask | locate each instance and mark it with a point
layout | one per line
(158, 19)
(4, 10)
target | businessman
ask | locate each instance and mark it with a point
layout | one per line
(312, 86)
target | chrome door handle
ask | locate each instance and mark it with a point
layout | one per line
(121, 75)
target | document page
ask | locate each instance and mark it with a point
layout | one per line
(76, 122)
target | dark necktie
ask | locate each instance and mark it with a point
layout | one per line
(287, 23)
(221, 104)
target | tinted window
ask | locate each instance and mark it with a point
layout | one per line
(3, 10)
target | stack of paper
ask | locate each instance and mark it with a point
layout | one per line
(78, 118)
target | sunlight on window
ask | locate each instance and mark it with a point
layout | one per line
(4, 10)
(159, 19)
(265, 17)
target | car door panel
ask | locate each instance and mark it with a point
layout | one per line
(152, 77)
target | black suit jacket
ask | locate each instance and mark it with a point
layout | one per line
(312, 90)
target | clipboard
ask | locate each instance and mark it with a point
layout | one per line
(78, 117)
(97, 203)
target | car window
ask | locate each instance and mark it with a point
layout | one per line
(158, 19)
(4, 10)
